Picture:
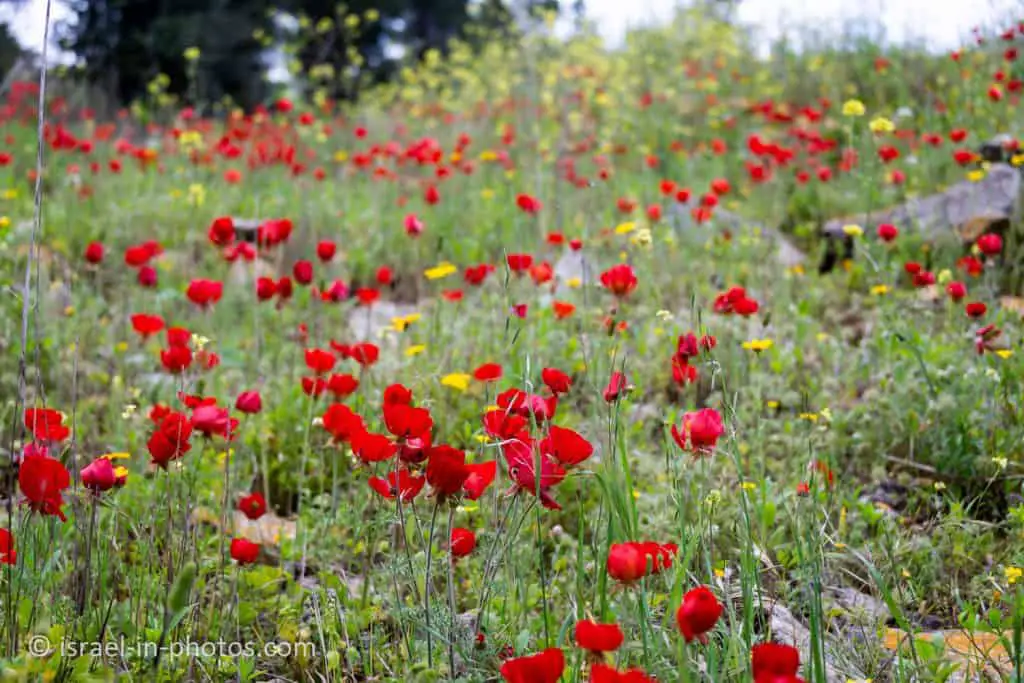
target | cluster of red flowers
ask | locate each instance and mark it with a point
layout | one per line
(735, 300)
(696, 616)
(689, 347)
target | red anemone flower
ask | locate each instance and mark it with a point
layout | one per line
(404, 484)
(41, 480)
(244, 551)
(543, 667)
(461, 542)
(698, 614)
(253, 506)
(598, 638)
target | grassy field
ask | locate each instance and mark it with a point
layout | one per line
(278, 384)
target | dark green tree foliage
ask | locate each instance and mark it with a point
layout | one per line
(10, 51)
(124, 44)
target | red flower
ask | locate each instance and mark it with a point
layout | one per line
(99, 476)
(596, 637)
(284, 289)
(519, 457)
(389, 488)
(481, 476)
(7, 552)
(538, 408)
(147, 276)
(630, 561)
(94, 253)
(342, 385)
(176, 359)
(222, 231)
(147, 325)
(475, 275)
(325, 250)
(367, 296)
(41, 479)
(446, 470)
(620, 280)
(617, 386)
(519, 263)
(178, 336)
(924, 278)
(170, 441)
(213, 420)
(488, 372)
(46, 424)
(413, 225)
(698, 614)
(956, 290)
(341, 423)
(970, 265)
(720, 186)
(384, 276)
(302, 271)
(314, 386)
(431, 195)
(364, 353)
(887, 232)
(204, 293)
(407, 422)
(253, 506)
(397, 393)
(566, 446)
(990, 244)
(975, 309)
(555, 380)
(319, 361)
(502, 424)
(249, 402)
(775, 663)
(735, 301)
(370, 447)
(244, 552)
(543, 667)
(461, 542)
(528, 204)
(702, 428)
(137, 256)
(266, 288)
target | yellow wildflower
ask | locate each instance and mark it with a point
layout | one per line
(457, 380)
(853, 230)
(415, 350)
(117, 456)
(758, 345)
(443, 269)
(625, 228)
(880, 124)
(191, 54)
(1012, 574)
(401, 323)
(853, 108)
(879, 290)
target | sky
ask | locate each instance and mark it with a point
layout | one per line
(943, 24)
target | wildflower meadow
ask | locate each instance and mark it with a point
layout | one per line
(535, 363)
